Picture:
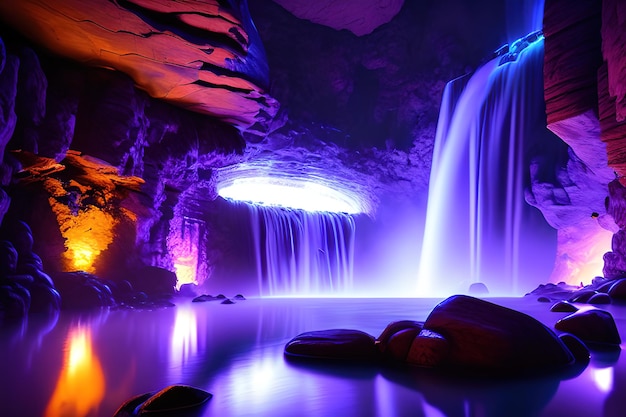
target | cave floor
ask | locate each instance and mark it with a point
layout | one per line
(90, 363)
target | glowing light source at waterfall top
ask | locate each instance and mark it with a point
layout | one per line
(295, 193)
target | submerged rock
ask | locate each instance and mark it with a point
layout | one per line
(563, 307)
(352, 345)
(462, 334)
(174, 400)
(591, 326)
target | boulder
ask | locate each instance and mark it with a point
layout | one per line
(617, 291)
(429, 349)
(563, 307)
(599, 298)
(478, 289)
(8, 258)
(351, 345)
(399, 344)
(591, 326)
(489, 338)
(393, 328)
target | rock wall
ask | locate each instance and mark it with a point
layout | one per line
(200, 55)
(584, 92)
(75, 138)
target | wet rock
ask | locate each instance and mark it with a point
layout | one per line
(19, 234)
(239, 297)
(582, 296)
(393, 328)
(600, 298)
(227, 301)
(591, 326)
(563, 307)
(203, 298)
(220, 296)
(543, 299)
(12, 304)
(44, 299)
(605, 286)
(576, 346)
(489, 338)
(618, 290)
(429, 349)
(8, 258)
(353, 345)
(187, 290)
(172, 400)
(81, 290)
(478, 289)
(552, 291)
(398, 345)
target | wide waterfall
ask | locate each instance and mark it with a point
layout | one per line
(478, 226)
(301, 253)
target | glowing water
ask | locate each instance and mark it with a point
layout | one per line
(478, 225)
(302, 253)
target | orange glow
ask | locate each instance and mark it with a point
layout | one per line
(186, 267)
(80, 388)
(86, 236)
(182, 243)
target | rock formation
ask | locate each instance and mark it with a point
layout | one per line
(203, 56)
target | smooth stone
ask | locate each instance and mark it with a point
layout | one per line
(239, 297)
(44, 299)
(618, 290)
(489, 338)
(393, 328)
(12, 304)
(333, 344)
(203, 298)
(605, 287)
(399, 344)
(576, 346)
(563, 307)
(478, 289)
(227, 301)
(591, 326)
(582, 296)
(600, 298)
(8, 258)
(429, 349)
(174, 400)
(543, 299)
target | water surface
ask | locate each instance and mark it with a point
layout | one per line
(89, 364)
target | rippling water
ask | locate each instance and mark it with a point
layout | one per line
(89, 364)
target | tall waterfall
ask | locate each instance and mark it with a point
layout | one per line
(302, 253)
(478, 226)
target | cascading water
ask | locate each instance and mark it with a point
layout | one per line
(478, 225)
(302, 253)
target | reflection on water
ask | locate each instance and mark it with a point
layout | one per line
(183, 340)
(80, 388)
(89, 367)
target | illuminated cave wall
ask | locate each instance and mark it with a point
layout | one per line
(371, 102)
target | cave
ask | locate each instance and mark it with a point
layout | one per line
(282, 207)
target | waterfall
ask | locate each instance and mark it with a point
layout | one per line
(302, 253)
(478, 226)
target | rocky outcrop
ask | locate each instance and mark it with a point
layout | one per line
(203, 56)
(461, 334)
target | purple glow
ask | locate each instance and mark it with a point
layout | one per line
(301, 253)
(478, 226)
(295, 193)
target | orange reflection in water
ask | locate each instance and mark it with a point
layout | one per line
(80, 388)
